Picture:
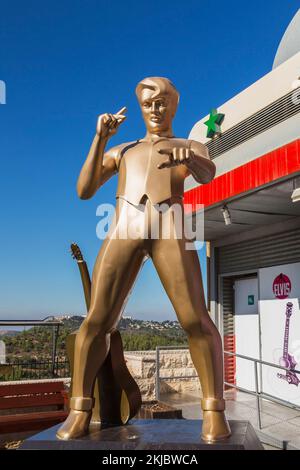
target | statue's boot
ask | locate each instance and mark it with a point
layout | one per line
(77, 423)
(215, 425)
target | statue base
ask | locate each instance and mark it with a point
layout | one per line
(152, 434)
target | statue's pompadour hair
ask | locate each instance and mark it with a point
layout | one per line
(159, 85)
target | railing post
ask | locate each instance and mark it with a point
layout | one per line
(53, 349)
(257, 395)
(157, 375)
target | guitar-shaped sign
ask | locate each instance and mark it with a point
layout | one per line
(117, 395)
(287, 360)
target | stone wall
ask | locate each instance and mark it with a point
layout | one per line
(175, 364)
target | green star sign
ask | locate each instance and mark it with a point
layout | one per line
(214, 123)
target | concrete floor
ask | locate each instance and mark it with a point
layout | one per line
(280, 425)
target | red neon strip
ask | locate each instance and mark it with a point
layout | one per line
(276, 164)
(229, 361)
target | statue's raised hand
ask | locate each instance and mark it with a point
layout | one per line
(107, 124)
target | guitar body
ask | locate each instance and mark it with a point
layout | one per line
(292, 362)
(117, 395)
(287, 360)
(284, 362)
(131, 399)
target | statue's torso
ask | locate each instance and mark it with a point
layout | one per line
(139, 176)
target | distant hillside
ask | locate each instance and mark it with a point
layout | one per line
(36, 343)
(8, 332)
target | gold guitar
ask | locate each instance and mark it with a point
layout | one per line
(117, 395)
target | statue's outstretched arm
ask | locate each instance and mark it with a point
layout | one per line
(99, 166)
(195, 158)
(201, 166)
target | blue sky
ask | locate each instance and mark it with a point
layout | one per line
(66, 62)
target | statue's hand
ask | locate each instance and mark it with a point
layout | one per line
(177, 156)
(108, 124)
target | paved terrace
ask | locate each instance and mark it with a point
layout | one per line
(280, 425)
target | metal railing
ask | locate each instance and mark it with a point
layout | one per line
(258, 393)
(34, 370)
(48, 321)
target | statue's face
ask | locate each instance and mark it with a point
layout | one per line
(158, 111)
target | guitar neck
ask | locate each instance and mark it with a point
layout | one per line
(286, 337)
(288, 313)
(86, 281)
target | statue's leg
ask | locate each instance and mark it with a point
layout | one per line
(115, 270)
(180, 272)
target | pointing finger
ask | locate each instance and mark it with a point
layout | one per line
(166, 152)
(122, 110)
(166, 164)
(120, 117)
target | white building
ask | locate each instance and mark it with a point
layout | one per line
(255, 255)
